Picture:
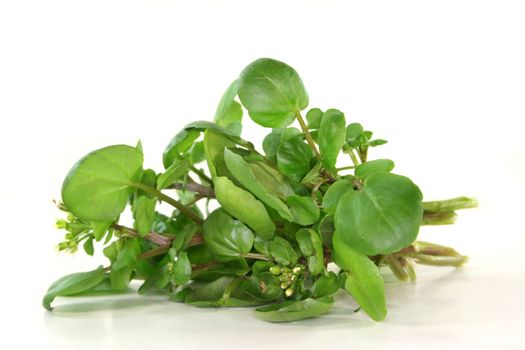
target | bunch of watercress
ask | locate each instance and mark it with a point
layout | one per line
(283, 215)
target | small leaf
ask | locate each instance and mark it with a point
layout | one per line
(311, 246)
(326, 285)
(353, 132)
(304, 209)
(314, 117)
(226, 238)
(331, 137)
(178, 146)
(272, 179)
(229, 112)
(100, 228)
(242, 205)
(73, 284)
(282, 252)
(363, 282)
(382, 217)
(88, 246)
(181, 269)
(377, 166)
(271, 143)
(173, 173)
(375, 143)
(143, 213)
(334, 193)
(294, 158)
(243, 173)
(292, 310)
(98, 186)
(272, 92)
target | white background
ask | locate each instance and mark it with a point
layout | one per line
(443, 81)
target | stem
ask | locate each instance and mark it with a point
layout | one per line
(353, 157)
(182, 208)
(204, 191)
(307, 134)
(345, 168)
(396, 267)
(450, 204)
(439, 218)
(434, 260)
(201, 174)
(153, 237)
(255, 256)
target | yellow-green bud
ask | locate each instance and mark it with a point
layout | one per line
(297, 270)
(275, 270)
(288, 292)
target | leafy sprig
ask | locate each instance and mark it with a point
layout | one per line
(283, 217)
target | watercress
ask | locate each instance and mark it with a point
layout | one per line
(293, 225)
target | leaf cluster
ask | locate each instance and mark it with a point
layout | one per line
(293, 225)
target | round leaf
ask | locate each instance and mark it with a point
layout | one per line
(225, 237)
(272, 92)
(304, 209)
(98, 186)
(382, 217)
(294, 158)
(334, 193)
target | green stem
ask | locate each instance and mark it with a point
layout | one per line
(439, 218)
(345, 168)
(434, 260)
(307, 134)
(353, 157)
(173, 202)
(202, 175)
(255, 256)
(450, 204)
(396, 267)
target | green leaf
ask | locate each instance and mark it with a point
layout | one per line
(173, 173)
(292, 310)
(208, 294)
(353, 132)
(181, 269)
(98, 186)
(143, 213)
(271, 142)
(226, 238)
(243, 173)
(242, 205)
(363, 282)
(325, 285)
(229, 112)
(314, 117)
(88, 246)
(282, 252)
(382, 217)
(214, 145)
(100, 228)
(196, 153)
(272, 92)
(294, 158)
(334, 193)
(331, 137)
(311, 246)
(178, 146)
(375, 143)
(73, 284)
(304, 209)
(272, 179)
(377, 166)
(182, 142)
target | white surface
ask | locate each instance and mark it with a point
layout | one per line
(442, 81)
